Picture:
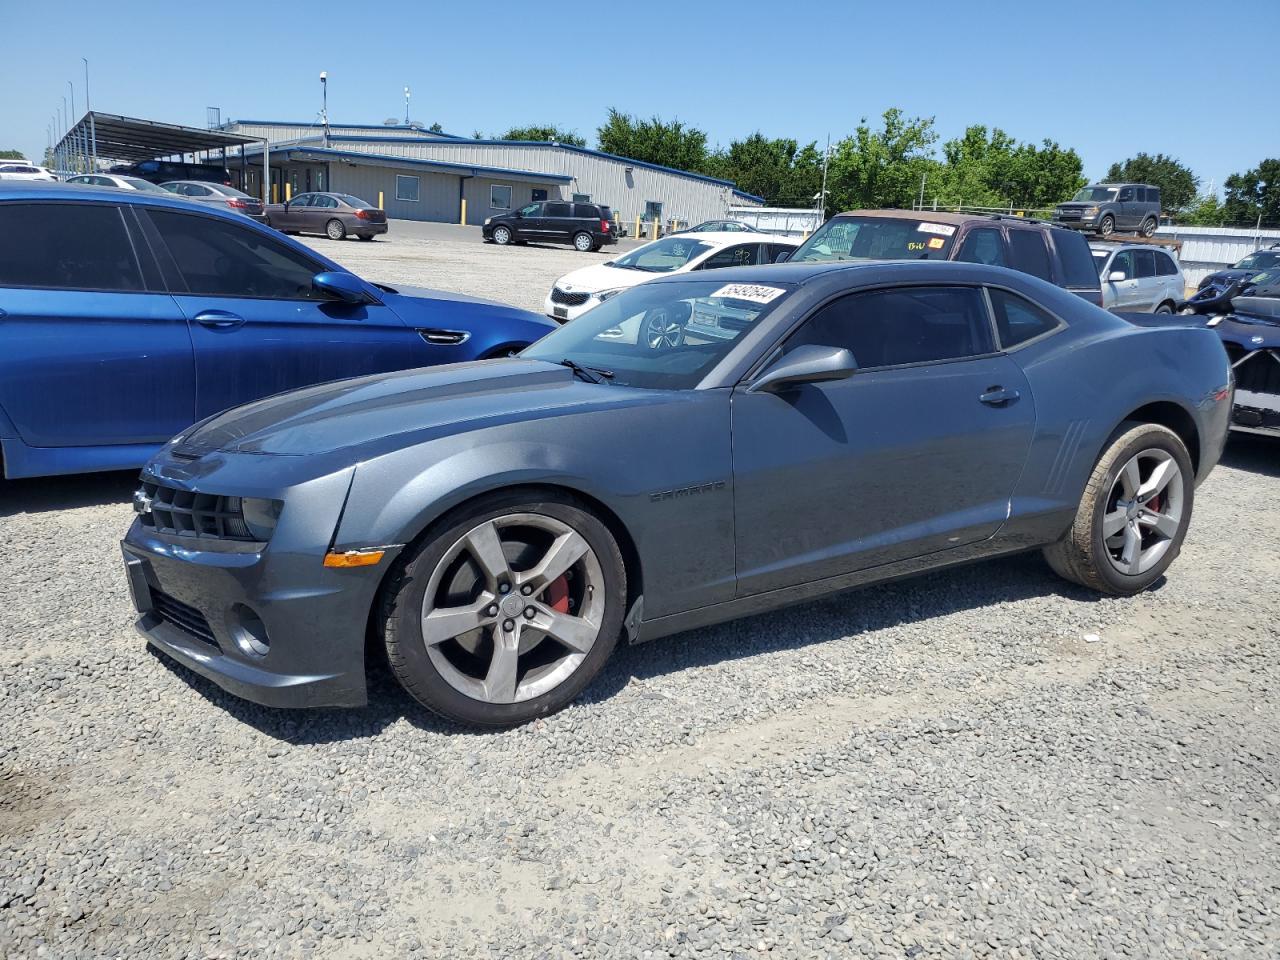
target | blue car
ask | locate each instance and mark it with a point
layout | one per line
(127, 317)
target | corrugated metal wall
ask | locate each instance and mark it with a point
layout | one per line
(437, 192)
(788, 221)
(1207, 249)
(479, 196)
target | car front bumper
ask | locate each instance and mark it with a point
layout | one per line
(562, 313)
(1256, 413)
(1081, 223)
(204, 602)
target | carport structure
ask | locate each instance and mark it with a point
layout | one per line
(108, 136)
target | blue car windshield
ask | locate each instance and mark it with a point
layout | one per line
(662, 336)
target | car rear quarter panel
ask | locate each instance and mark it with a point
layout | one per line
(662, 470)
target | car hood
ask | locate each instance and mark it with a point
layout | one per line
(600, 276)
(1225, 277)
(1079, 204)
(397, 409)
(411, 302)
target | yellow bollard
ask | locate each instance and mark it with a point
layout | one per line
(463, 221)
(274, 193)
(637, 233)
(288, 192)
(380, 206)
(653, 229)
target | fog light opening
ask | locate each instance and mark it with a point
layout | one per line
(250, 632)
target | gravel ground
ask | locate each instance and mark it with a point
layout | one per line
(978, 763)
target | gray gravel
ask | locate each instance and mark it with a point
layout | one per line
(979, 763)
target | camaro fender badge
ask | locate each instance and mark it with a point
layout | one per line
(681, 492)
(141, 502)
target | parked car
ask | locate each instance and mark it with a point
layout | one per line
(500, 526)
(117, 180)
(22, 170)
(218, 195)
(579, 291)
(1254, 263)
(721, 226)
(163, 171)
(1059, 256)
(1138, 278)
(588, 226)
(333, 214)
(1108, 207)
(128, 316)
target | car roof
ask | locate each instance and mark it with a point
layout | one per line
(80, 192)
(869, 271)
(727, 238)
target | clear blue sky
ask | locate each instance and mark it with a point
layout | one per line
(796, 68)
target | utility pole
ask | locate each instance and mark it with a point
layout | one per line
(406, 105)
(923, 174)
(822, 203)
(324, 107)
(72, 87)
(93, 132)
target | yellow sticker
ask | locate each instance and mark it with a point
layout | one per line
(936, 243)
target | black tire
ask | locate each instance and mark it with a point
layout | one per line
(365, 236)
(583, 242)
(1081, 556)
(402, 605)
(1148, 228)
(335, 229)
(502, 236)
(1165, 307)
(1107, 225)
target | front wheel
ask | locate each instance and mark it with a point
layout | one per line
(501, 236)
(1133, 516)
(506, 612)
(1107, 226)
(582, 242)
(1165, 307)
(334, 230)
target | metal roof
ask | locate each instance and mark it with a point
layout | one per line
(131, 139)
(303, 151)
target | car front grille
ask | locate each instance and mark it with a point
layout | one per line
(1068, 214)
(185, 618)
(1258, 372)
(568, 299)
(185, 513)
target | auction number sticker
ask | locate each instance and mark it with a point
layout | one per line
(751, 292)
(945, 229)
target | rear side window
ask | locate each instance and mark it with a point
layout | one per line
(66, 246)
(1145, 264)
(586, 211)
(983, 246)
(1018, 320)
(740, 255)
(222, 259)
(1028, 253)
(1153, 194)
(1165, 267)
(1079, 269)
(556, 210)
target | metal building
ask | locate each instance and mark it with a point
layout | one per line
(426, 176)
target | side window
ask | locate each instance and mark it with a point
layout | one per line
(66, 246)
(1123, 263)
(1079, 268)
(1126, 194)
(983, 246)
(195, 190)
(1018, 320)
(1153, 195)
(499, 196)
(226, 260)
(586, 211)
(1145, 262)
(302, 200)
(887, 328)
(327, 203)
(772, 250)
(1165, 267)
(1028, 253)
(556, 210)
(740, 255)
(532, 210)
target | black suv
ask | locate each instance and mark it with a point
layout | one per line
(1060, 256)
(588, 226)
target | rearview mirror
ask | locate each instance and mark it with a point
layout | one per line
(782, 257)
(346, 287)
(1115, 276)
(807, 364)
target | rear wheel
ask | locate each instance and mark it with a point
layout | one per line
(334, 230)
(1165, 307)
(366, 236)
(1148, 228)
(508, 611)
(1134, 513)
(582, 242)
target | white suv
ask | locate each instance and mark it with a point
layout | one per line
(1138, 278)
(23, 170)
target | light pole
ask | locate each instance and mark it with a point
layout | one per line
(72, 119)
(324, 104)
(93, 132)
(66, 128)
(406, 106)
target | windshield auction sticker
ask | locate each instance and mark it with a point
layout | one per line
(944, 229)
(751, 292)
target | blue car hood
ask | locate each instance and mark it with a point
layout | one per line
(413, 303)
(394, 410)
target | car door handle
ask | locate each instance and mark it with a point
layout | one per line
(218, 318)
(998, 396)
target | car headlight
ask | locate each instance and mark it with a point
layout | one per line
(260, 515)
(1090, 211)
(603, 295)
(488, 220)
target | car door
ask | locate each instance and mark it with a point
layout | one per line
(557, 221)
(323, 209)
(1123, 291)
(1127, 206)
(93, 350)
(293, 214)
(528, 224)
(258, 325)
(918, 452)
(1147, 289)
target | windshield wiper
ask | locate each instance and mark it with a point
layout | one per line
(589, 374)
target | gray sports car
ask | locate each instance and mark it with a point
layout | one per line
(690, 451)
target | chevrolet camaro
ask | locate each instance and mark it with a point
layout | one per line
(694, 449)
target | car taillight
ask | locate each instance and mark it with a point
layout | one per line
(604, 226)
(235, 202)
(362, 214)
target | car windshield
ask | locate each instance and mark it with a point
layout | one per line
(146, 186)
(1095, 195)
(1259, 260)
(876, 238)
(662, 256)
(661, 336)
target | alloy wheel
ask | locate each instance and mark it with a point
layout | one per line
(335, 230)
(583, 242)
(513, 608)
(660, 331)
(1144, 511)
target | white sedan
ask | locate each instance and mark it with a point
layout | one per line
(577, 292)
(117, 181)
(23, 170)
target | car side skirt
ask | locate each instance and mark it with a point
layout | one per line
(21, 460)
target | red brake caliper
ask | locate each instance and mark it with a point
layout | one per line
(556, 596)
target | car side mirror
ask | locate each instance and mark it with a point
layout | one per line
(519, 214)
(782, 257)
(346, 287)
(1115, 276)
(808, 364)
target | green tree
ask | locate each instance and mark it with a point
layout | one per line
(882, 167)
(435, 128)
(1204, 211)
(1252, 194)
(1177, 183)
(993, 169)
(12, 155)
(779, 170)
(544, 133)
(669, 143)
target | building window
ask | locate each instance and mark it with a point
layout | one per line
(406, 188)
(582, 198)
(538, 194)
(499, 197)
